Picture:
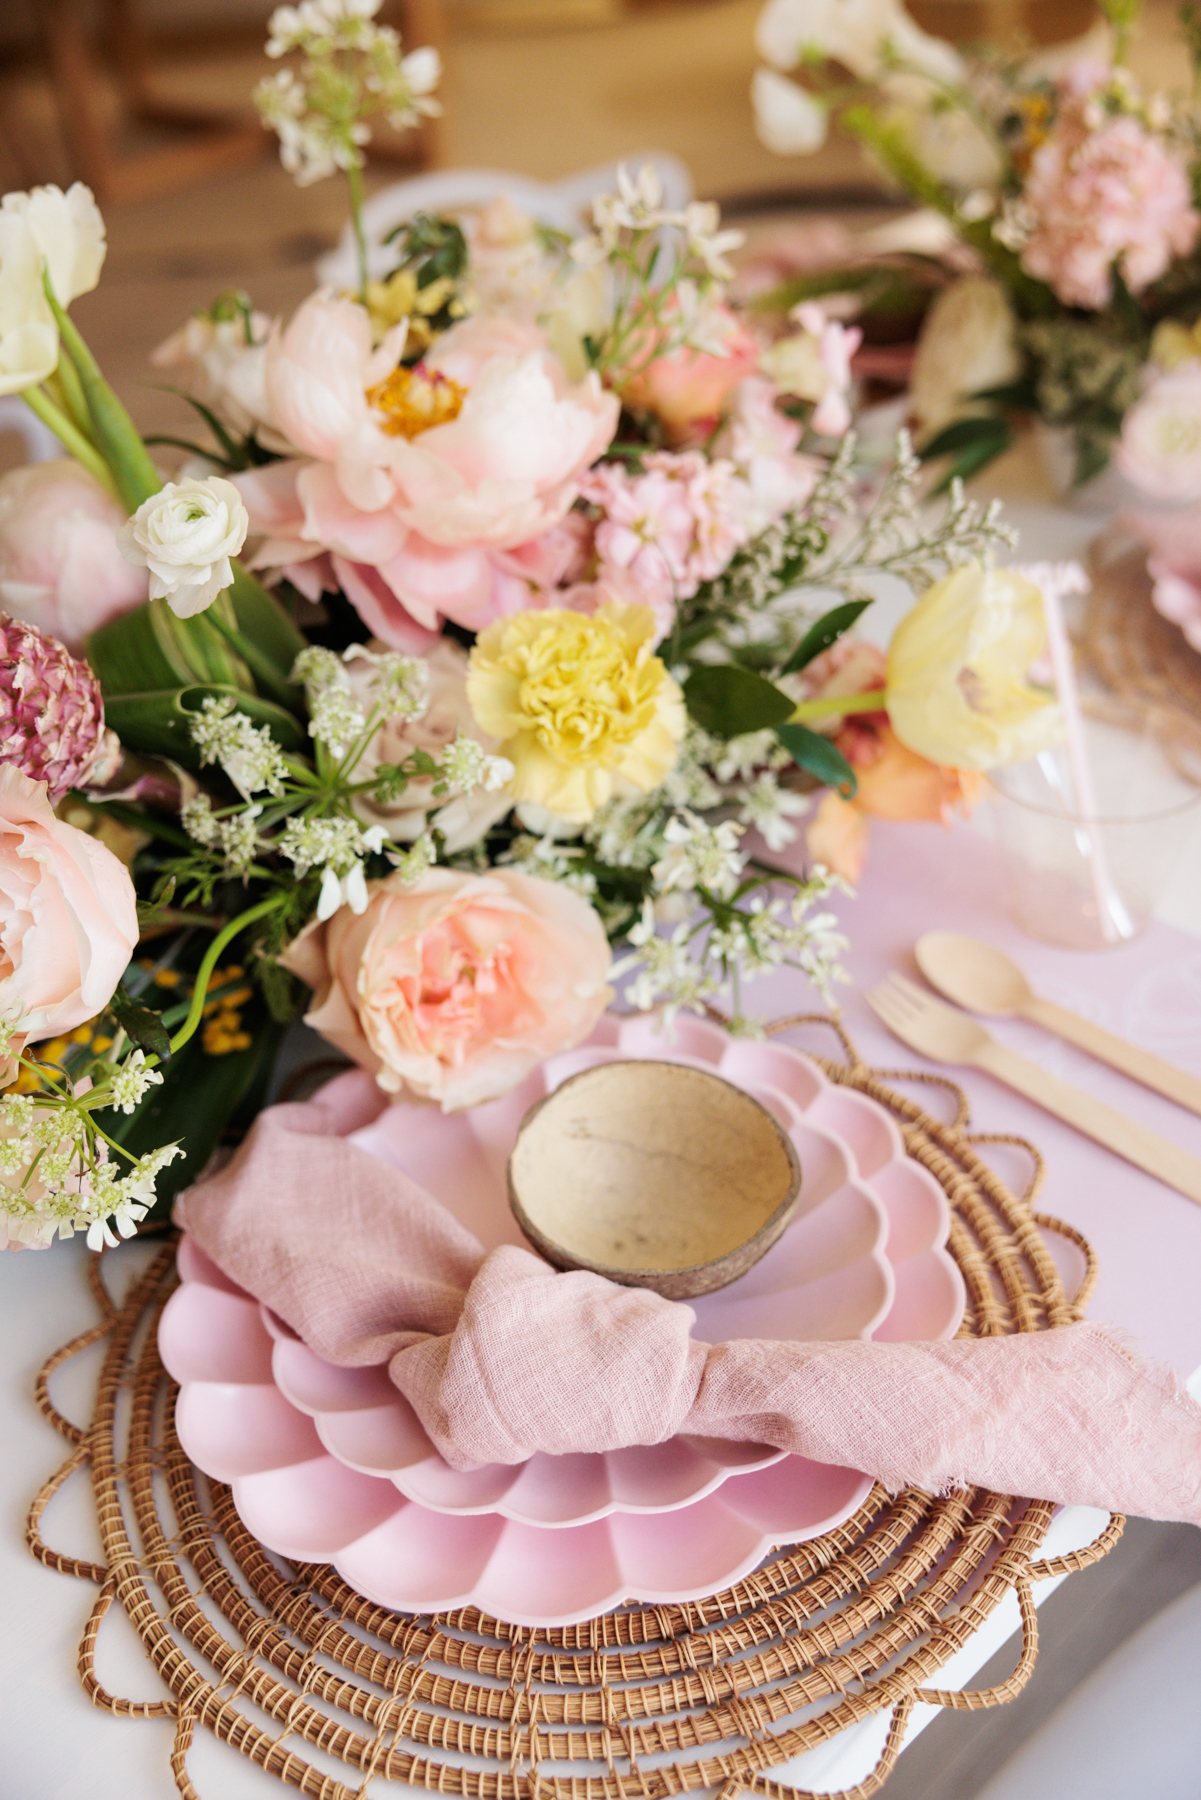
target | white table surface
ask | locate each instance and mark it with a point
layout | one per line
(56, 1746)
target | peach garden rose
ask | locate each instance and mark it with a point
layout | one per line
(454, 989)
(68, 916)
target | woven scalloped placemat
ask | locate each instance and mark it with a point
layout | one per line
(638, 1704)
(1133, 651)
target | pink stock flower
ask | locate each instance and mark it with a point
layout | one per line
(68, 916)
(424, 475)
(686, 387)
(453, 990)
(1174, 565)
(664, 531)
(1100, 194)
(60, 568)
(761, 442)
(51, 712)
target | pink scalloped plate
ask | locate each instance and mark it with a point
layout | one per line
(332, 1464)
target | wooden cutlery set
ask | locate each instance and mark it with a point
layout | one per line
(982, 979)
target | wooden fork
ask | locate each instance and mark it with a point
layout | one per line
(946, 1035)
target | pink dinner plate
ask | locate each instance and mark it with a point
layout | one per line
(332, 1464)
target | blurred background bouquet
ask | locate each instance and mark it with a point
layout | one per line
(498, 617)
(1071, 194)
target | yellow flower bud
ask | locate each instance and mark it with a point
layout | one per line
(958, 690)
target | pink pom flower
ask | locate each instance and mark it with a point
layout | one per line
(456, 988)
(60, 568)
(51, 711)
(1104, 192)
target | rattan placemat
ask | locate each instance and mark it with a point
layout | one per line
(638, 1704)
(1134, 652)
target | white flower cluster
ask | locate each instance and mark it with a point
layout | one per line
(236, 836)
(51, 1181)
(132, 1082)
(699, 855)
(336, 846)
(552, 860)
(247, 752)
(466, 766)
(668, 974)
(397, 687)
(638, 207)
(320, 112)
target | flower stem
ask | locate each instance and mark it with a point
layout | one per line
(354, 182)
(832, 706)
(265, 673)
(205, 971)
(70, 437)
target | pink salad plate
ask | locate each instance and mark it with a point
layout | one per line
(332, 1464)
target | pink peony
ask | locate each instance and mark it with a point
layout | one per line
(424, 475)
(68, 915)
(455, 989)
(51, 712)
(60, 568)
(1174, 565)
(1160, 447)
(686, 388)
(1103, 192)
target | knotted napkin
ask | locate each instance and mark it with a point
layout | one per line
(502, 1356)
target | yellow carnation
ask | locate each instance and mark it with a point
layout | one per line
(580, 705)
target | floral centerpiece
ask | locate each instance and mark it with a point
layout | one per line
(500, 618)
(1074, 192)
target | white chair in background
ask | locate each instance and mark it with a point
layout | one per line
(41, 445)
(561, 204)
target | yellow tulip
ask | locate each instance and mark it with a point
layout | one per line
(958, 671)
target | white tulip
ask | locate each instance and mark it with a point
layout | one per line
(62, 233)
(969, 342)
(852, 32)
(69, 232)
(185, 535)
(789, 121)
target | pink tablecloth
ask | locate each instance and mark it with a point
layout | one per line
(1147, 1237)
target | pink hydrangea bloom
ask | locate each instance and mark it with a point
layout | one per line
(1100, 194)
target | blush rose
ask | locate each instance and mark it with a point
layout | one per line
(454, 989)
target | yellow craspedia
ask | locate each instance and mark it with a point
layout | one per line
(579, 704)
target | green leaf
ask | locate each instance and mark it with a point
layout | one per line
(728, 701)
(150, 648)
(159, 721)
(144, 1027)
(824, 632)
(963, 434)
(820, 757)
(264, 622)
(974, 457)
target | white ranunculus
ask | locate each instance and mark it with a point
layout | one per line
(969, 342)
(852, 32)
(789, 121)
(62, 233)
(185, 535)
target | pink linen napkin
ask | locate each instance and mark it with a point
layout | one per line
(502, 1356)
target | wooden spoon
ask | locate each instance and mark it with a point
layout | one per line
(984, 980)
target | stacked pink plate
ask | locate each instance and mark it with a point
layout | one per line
(332, 1465)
